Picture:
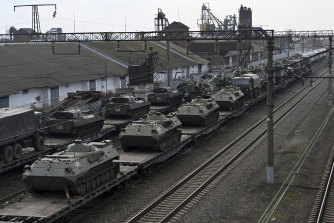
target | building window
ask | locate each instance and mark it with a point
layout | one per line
(4, 102)
(199, 69)
(54, 95)
(227, 61)
(25, 91)
(92, 85)
(187, 72)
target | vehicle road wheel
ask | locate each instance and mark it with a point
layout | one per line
(82, 189)
(17, 151)
(103, 178)
(93, 183)
(8, 154)
(40, 143)
(88, 186)
(98, 180)
(107, 176)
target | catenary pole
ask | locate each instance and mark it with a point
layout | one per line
(270, 105)
(330, 74)
(168, 64)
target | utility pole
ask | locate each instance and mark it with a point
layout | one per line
(270, 123)
(330, 99)
(35, 23)
(168, 68)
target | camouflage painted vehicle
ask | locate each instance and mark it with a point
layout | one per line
(199, 111)
(157, 132)
(194, 88)
(79, 169)
(221, 80)
(74, 123)
(126, 106)
(229, 98)
(165, 96)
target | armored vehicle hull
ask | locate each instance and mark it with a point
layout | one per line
(74, 124)
(196, 88)
(78, 170)
(156, 132)
(229, 98)
(165, 96)
(199, 111)
(127, 107)
(160, 143)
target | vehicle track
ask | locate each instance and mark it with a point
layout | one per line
(174, 203)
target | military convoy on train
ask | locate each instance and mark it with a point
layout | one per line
(199, 111)
(165, 96)
(74, 123)
(229, 98)
(20, 128)
(250, 84)
(126, 106)
(156, 132)
(79, 169)
(194, 88)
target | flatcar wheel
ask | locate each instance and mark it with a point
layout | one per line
(8, 154)
(17, 151)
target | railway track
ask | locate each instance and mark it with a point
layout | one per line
(77, 207)
(183, 195)
(323, 207)
(266, 216)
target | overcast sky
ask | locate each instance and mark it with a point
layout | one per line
(112, 15)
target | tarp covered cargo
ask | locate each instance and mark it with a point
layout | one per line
(16, 121)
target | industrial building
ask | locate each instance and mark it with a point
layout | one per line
(41, 74)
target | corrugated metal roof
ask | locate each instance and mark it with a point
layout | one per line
(29, 65)
(178, 55)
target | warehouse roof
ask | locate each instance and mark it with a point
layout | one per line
(30, 65)
(134, 53)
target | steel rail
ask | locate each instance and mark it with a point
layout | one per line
(294, 172)
(322, 217)
(211, 160)
(76, 205)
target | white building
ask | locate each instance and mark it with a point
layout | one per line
(41, 74)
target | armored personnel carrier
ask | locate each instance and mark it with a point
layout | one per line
(78, 170)
(165, 96)
(126, 106)
(194, 88)
(75, 123)
(157, 132)
(199, 111)
(221, 80)
(229, 98)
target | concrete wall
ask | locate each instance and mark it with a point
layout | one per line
(179, 74)
(40, 97)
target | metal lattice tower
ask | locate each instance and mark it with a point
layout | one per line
(160, 22)
(35, 22)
